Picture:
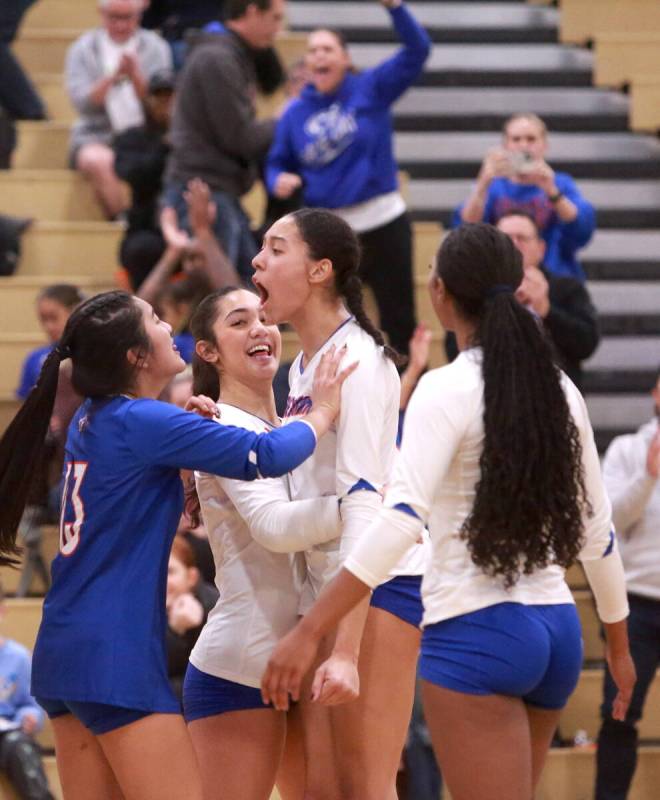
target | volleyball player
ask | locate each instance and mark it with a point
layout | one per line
(307, 275)
(498, 457)
(99, 665)
(255, 531)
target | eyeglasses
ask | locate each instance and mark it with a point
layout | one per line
(113, 16)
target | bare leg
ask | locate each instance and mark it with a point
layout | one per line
(482, 743)
(291, 774)
(321, 781)
(370, 732)
(542, 726)
(239, 753)
(153, 759)
(84, 770)
(96, 162)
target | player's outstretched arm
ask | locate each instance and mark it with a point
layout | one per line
(295, 653)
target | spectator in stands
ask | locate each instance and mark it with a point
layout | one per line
(188, 603)
(517, 175)
(54, 306)
(11, 229)
(336, 142)
(174, 18)
(215, 134)
(20, 719)
(561, 302)
(188, 272)
(18, 97)
(630, 470)
(107, 73)
(140, 158)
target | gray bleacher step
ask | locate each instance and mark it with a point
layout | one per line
(619, 410)
(631, 324)
(623, 381)
(604, 436)
(484, 109)
(635, 202)
(492, 65)
(629, 254)
(445, 22)
(626, 353)
(619, 297)
(583, 155)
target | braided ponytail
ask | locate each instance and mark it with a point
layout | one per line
(529, 499)
(97, 336)
(329, 236)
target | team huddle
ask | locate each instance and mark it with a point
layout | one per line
(320, 534)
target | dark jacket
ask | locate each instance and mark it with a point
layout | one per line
(215, 134)
(572, 323)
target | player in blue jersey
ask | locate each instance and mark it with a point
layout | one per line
(99, 664)
(498, 457)
(307, 274)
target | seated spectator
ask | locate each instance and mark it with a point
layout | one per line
(188, 603)
(174, 18)
(140, 158)
(631, 469)
(562, 303)
(54, 306)
(11, 229)
(215, 134)
(18, 96)
(516, 175)
(20, 719)
(107, 73)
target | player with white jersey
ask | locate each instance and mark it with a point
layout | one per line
(498, 459)
(255, 533)
(356, 457)
(307, 275)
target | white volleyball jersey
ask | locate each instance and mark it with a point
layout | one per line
(247, 524)
(358, 452)
(436, 478)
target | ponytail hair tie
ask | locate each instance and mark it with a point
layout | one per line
(63, 351)
(499, 288)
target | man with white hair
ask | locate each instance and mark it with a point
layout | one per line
(107, 73)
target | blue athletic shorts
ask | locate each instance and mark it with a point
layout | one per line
(206, 695)
(402, 597)
(531, 652)
(99, 718)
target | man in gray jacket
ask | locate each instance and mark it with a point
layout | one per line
(107, 73)
(215, 134)
(631, 470)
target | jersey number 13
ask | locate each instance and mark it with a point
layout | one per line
(70, 531)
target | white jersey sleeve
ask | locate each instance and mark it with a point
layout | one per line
(280, 524)
(432, 434)
(600, 554)
(366, 438)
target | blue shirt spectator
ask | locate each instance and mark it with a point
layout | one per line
(516, 175)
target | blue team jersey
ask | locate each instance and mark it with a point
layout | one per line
(102, 636)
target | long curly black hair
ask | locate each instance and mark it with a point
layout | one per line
(530, 497)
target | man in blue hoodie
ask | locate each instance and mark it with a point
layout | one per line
(516, 175)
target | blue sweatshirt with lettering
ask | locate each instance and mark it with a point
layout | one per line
(341, 143)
